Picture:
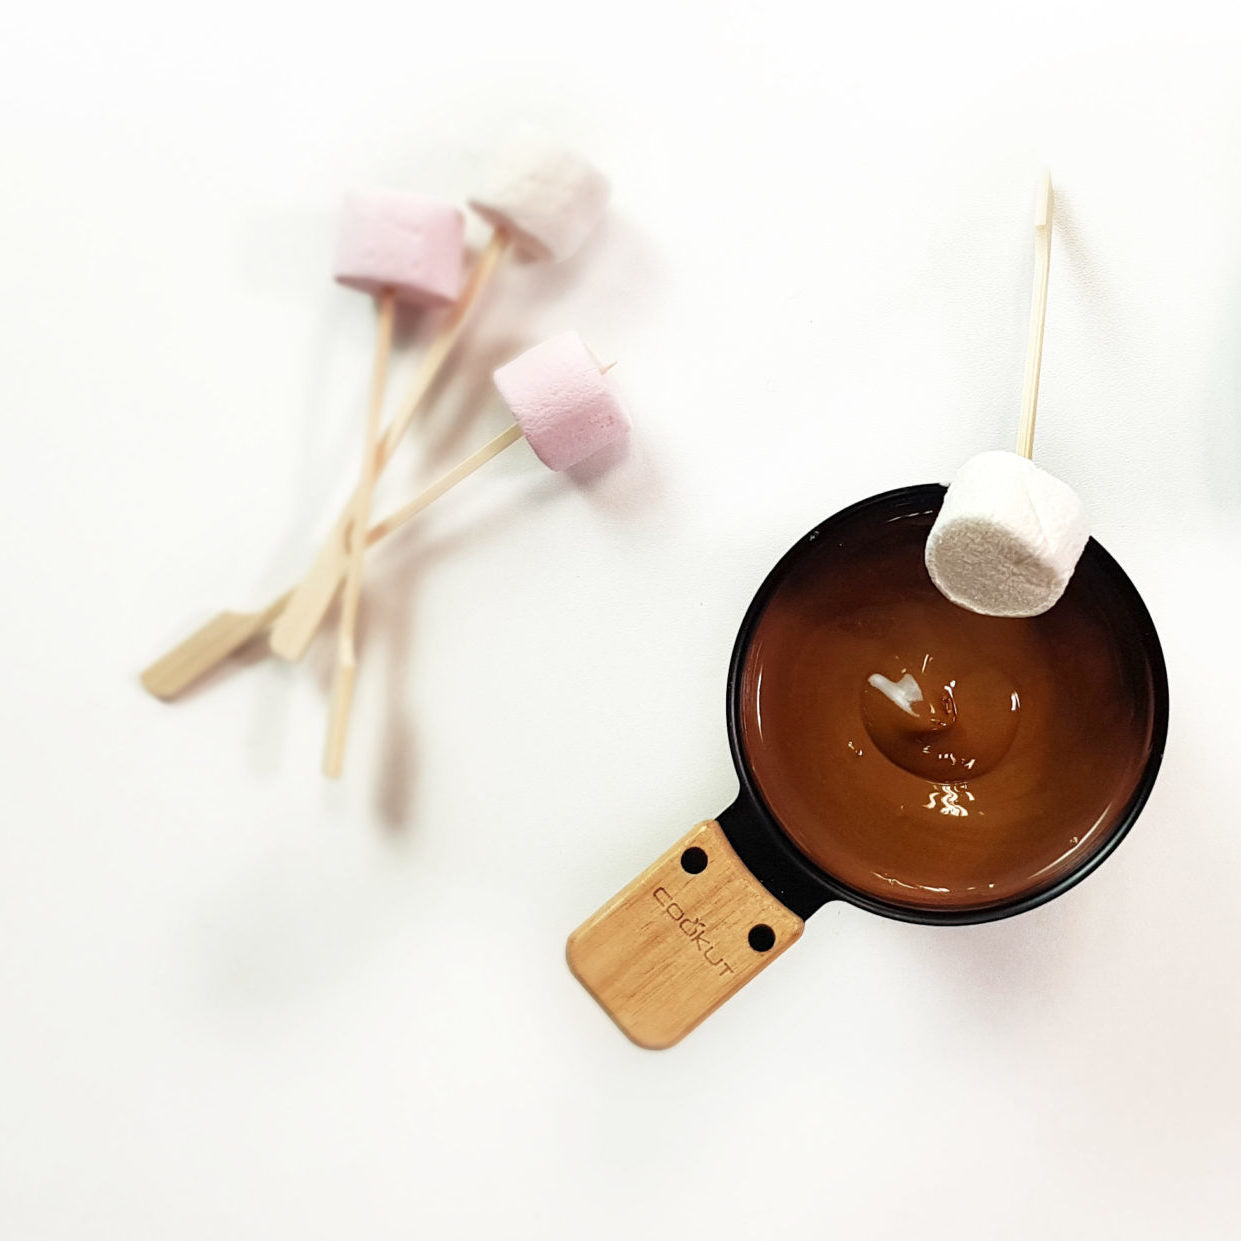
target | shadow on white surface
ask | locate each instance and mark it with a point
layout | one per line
(281, 933)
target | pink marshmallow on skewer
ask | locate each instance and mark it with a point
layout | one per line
(563, 404)
(566, 406)
(406, 243)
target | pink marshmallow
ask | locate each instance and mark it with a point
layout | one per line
(412, 245)
(566, 407)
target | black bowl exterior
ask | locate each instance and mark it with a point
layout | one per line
(755, 833)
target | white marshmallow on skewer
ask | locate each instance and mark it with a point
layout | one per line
(1009, 535)
(1007, 538)
(546, 195)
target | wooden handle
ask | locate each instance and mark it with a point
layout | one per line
(690, 931)
(211, 644)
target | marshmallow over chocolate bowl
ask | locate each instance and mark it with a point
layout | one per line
(924, 755)
(1008, 537)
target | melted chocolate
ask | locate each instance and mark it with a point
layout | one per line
(928, 756)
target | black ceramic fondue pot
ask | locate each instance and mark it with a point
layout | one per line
(733, 894)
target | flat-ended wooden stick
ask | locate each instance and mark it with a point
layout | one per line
(292, 634)
(347, 652)
(1038, 316)
(207, 647)
(227, 632)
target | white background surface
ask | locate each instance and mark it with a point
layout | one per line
(241, 1002)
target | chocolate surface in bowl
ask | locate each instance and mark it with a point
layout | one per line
(926, 757)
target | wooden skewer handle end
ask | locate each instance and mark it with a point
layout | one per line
(338, 723)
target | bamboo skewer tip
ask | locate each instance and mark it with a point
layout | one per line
(1044, 203)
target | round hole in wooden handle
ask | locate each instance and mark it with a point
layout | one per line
(690, 931)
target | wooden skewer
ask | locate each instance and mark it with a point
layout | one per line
(347, 652)
(296, 627)
(227, 632)
(223, 635)
(493, 448)
(1038, 316)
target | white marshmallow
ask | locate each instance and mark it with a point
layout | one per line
(548, 196)
(1007, 538)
